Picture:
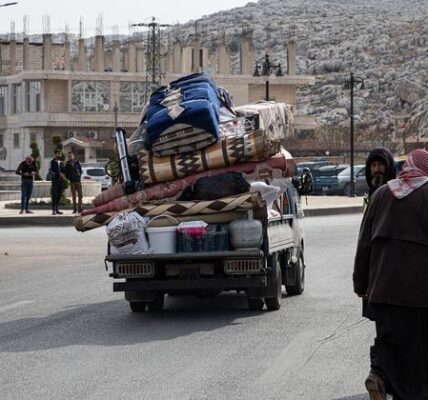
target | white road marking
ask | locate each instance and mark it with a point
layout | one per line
(15, 305)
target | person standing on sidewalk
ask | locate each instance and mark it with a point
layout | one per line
(391, 272)
(27, 169)
(380, 168)
(73, 172)
(57, 179)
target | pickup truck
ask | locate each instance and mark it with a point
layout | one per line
(259, 273)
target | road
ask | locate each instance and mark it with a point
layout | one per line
(65, 335)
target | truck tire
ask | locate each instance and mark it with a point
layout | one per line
(299, 284)
(157, 304)
(137, 306)
(255, 304)
(274, 303)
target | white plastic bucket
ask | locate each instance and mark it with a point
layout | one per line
(162, 240)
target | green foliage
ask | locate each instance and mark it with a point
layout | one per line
(35, 153)
(57, 141)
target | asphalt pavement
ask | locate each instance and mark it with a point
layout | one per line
(65, 335)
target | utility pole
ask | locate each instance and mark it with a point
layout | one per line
(153, 64)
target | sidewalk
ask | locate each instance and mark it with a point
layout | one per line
(331, 205)
(312, 206)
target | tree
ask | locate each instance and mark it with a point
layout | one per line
(35, 153)
(57, 142)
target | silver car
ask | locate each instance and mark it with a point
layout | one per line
(344, 181)
(96, 174)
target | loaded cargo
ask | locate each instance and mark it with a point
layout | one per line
(206, 200)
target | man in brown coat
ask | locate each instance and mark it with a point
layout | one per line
(391, 271)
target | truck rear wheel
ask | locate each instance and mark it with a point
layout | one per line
(274, 303)
(138, 306)
(255, 304)
(299, 284)
(158, 303)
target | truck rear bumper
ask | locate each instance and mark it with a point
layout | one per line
(191, 284)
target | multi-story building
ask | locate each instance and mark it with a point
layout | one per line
(46, 91)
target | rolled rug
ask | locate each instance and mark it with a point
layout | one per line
(170, 189)
(180, 209)
(227, 151)
(109, 194)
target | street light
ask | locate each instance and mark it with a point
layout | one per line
(267, 68)
(8, 4)
(349, 84)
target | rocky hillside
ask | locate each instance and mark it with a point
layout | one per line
(383, 41)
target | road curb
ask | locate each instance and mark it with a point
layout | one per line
(67, 220)
(49, 220)
(324, 212)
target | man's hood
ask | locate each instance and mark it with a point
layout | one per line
(384, 155)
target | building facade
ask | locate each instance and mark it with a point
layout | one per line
(82, 93)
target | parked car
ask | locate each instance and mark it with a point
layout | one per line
(344, 181)
(97, 174)
(325, 180)
(313, 166)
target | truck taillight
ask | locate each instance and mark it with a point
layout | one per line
(87, 177)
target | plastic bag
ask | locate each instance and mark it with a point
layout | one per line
(137, 140)
(126, 234)
(269, 193)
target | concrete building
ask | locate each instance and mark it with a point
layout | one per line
(79, 89)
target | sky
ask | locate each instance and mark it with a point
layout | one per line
(116, 14)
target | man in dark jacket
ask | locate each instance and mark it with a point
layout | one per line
(380, 168)
(391, 272)
(73, 172)
(57, 177)
(27, 169)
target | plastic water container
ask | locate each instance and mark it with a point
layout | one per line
(162, 239)
(193, 228)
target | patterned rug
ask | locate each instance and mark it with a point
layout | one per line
(226, 152)
(241, 202)
(114, 199)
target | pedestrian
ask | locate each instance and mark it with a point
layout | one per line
(380, 168)
(57, 179)
(73, 172)
(391, 272)
(28, 170)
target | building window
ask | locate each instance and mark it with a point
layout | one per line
(16, 98)
(90, 96)
(33, 137)
(3, 100)
(16, 140)
(1, 140)
(132, 96)
(33, 96)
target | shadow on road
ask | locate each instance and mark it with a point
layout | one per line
(356, 397)
(112, 323)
